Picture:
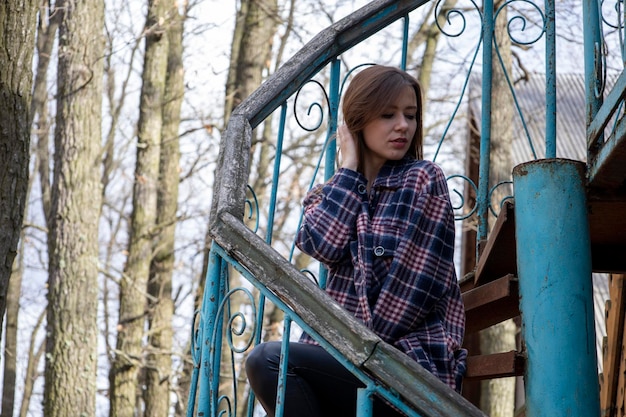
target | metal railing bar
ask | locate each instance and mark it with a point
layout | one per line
(606, 110)
(614, 141)
(282, 367)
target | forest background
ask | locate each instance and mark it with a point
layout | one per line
(110, 122)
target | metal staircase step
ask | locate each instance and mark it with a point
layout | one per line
(497, 365)
(607, 228)
(491, 303)
(606, 161)
(497, 257)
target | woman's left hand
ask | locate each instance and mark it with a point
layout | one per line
(347, 147)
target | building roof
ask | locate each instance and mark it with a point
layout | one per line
(530, 94)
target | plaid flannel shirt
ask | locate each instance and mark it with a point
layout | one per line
(390, 259)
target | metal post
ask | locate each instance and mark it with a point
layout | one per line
(364, 403)
(482, 199)
(554, 266)
(283, 368)
(212, 297)
(551, 105)
(333, 115)
(331, 151)
(592, 32)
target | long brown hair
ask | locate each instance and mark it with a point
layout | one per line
(369, 95)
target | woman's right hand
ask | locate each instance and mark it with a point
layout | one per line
(348, 148)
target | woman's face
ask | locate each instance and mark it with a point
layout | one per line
(388, 137)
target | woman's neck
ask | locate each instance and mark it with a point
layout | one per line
(371, 173)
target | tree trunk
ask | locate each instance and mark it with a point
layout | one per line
(498, 395)
(114, 105)
(46, 35)
(34, 356)
(40, 125)
(161, 305)
(231, 78)
(256, 45)
(17, 35)
(133, 288)
(12, 314)
(502, 109)
(72, 331)
(431, 34)
(10, 342)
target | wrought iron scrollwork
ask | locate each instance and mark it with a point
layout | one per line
(601, 51)
(522, 22)
(228, 412)
(237, 325)
(619, 11)
(315, 105)
(461, 197)
(237, 321)
(452, 14)
(253, 209)
(196, 339)
(502, 200)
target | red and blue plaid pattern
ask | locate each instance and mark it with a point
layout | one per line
(390, 255)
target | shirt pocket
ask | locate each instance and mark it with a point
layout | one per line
(386, 237)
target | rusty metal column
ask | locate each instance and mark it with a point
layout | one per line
(554, 266)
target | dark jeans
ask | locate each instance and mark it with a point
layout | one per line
(317, 384)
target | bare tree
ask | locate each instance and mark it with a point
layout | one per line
(35, 352)
(72, 328)
(11, 335)
(428, 35)
(161, 305)
(17, 35)
(46, 32)
(10, 341)
(128, 361)
(46, 35)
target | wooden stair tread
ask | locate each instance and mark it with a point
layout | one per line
(491, 303)
(612, 355)
(498, 257)
(607, 169)
(607, 229)
(497, 365)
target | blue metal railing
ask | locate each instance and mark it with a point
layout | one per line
(602, 108)
(237, 248)
(485, 132)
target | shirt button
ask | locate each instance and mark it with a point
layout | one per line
(379, 251)
(362, 189)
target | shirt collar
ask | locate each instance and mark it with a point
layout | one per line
(390, 174)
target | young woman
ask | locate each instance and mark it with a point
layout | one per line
(384, 228)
